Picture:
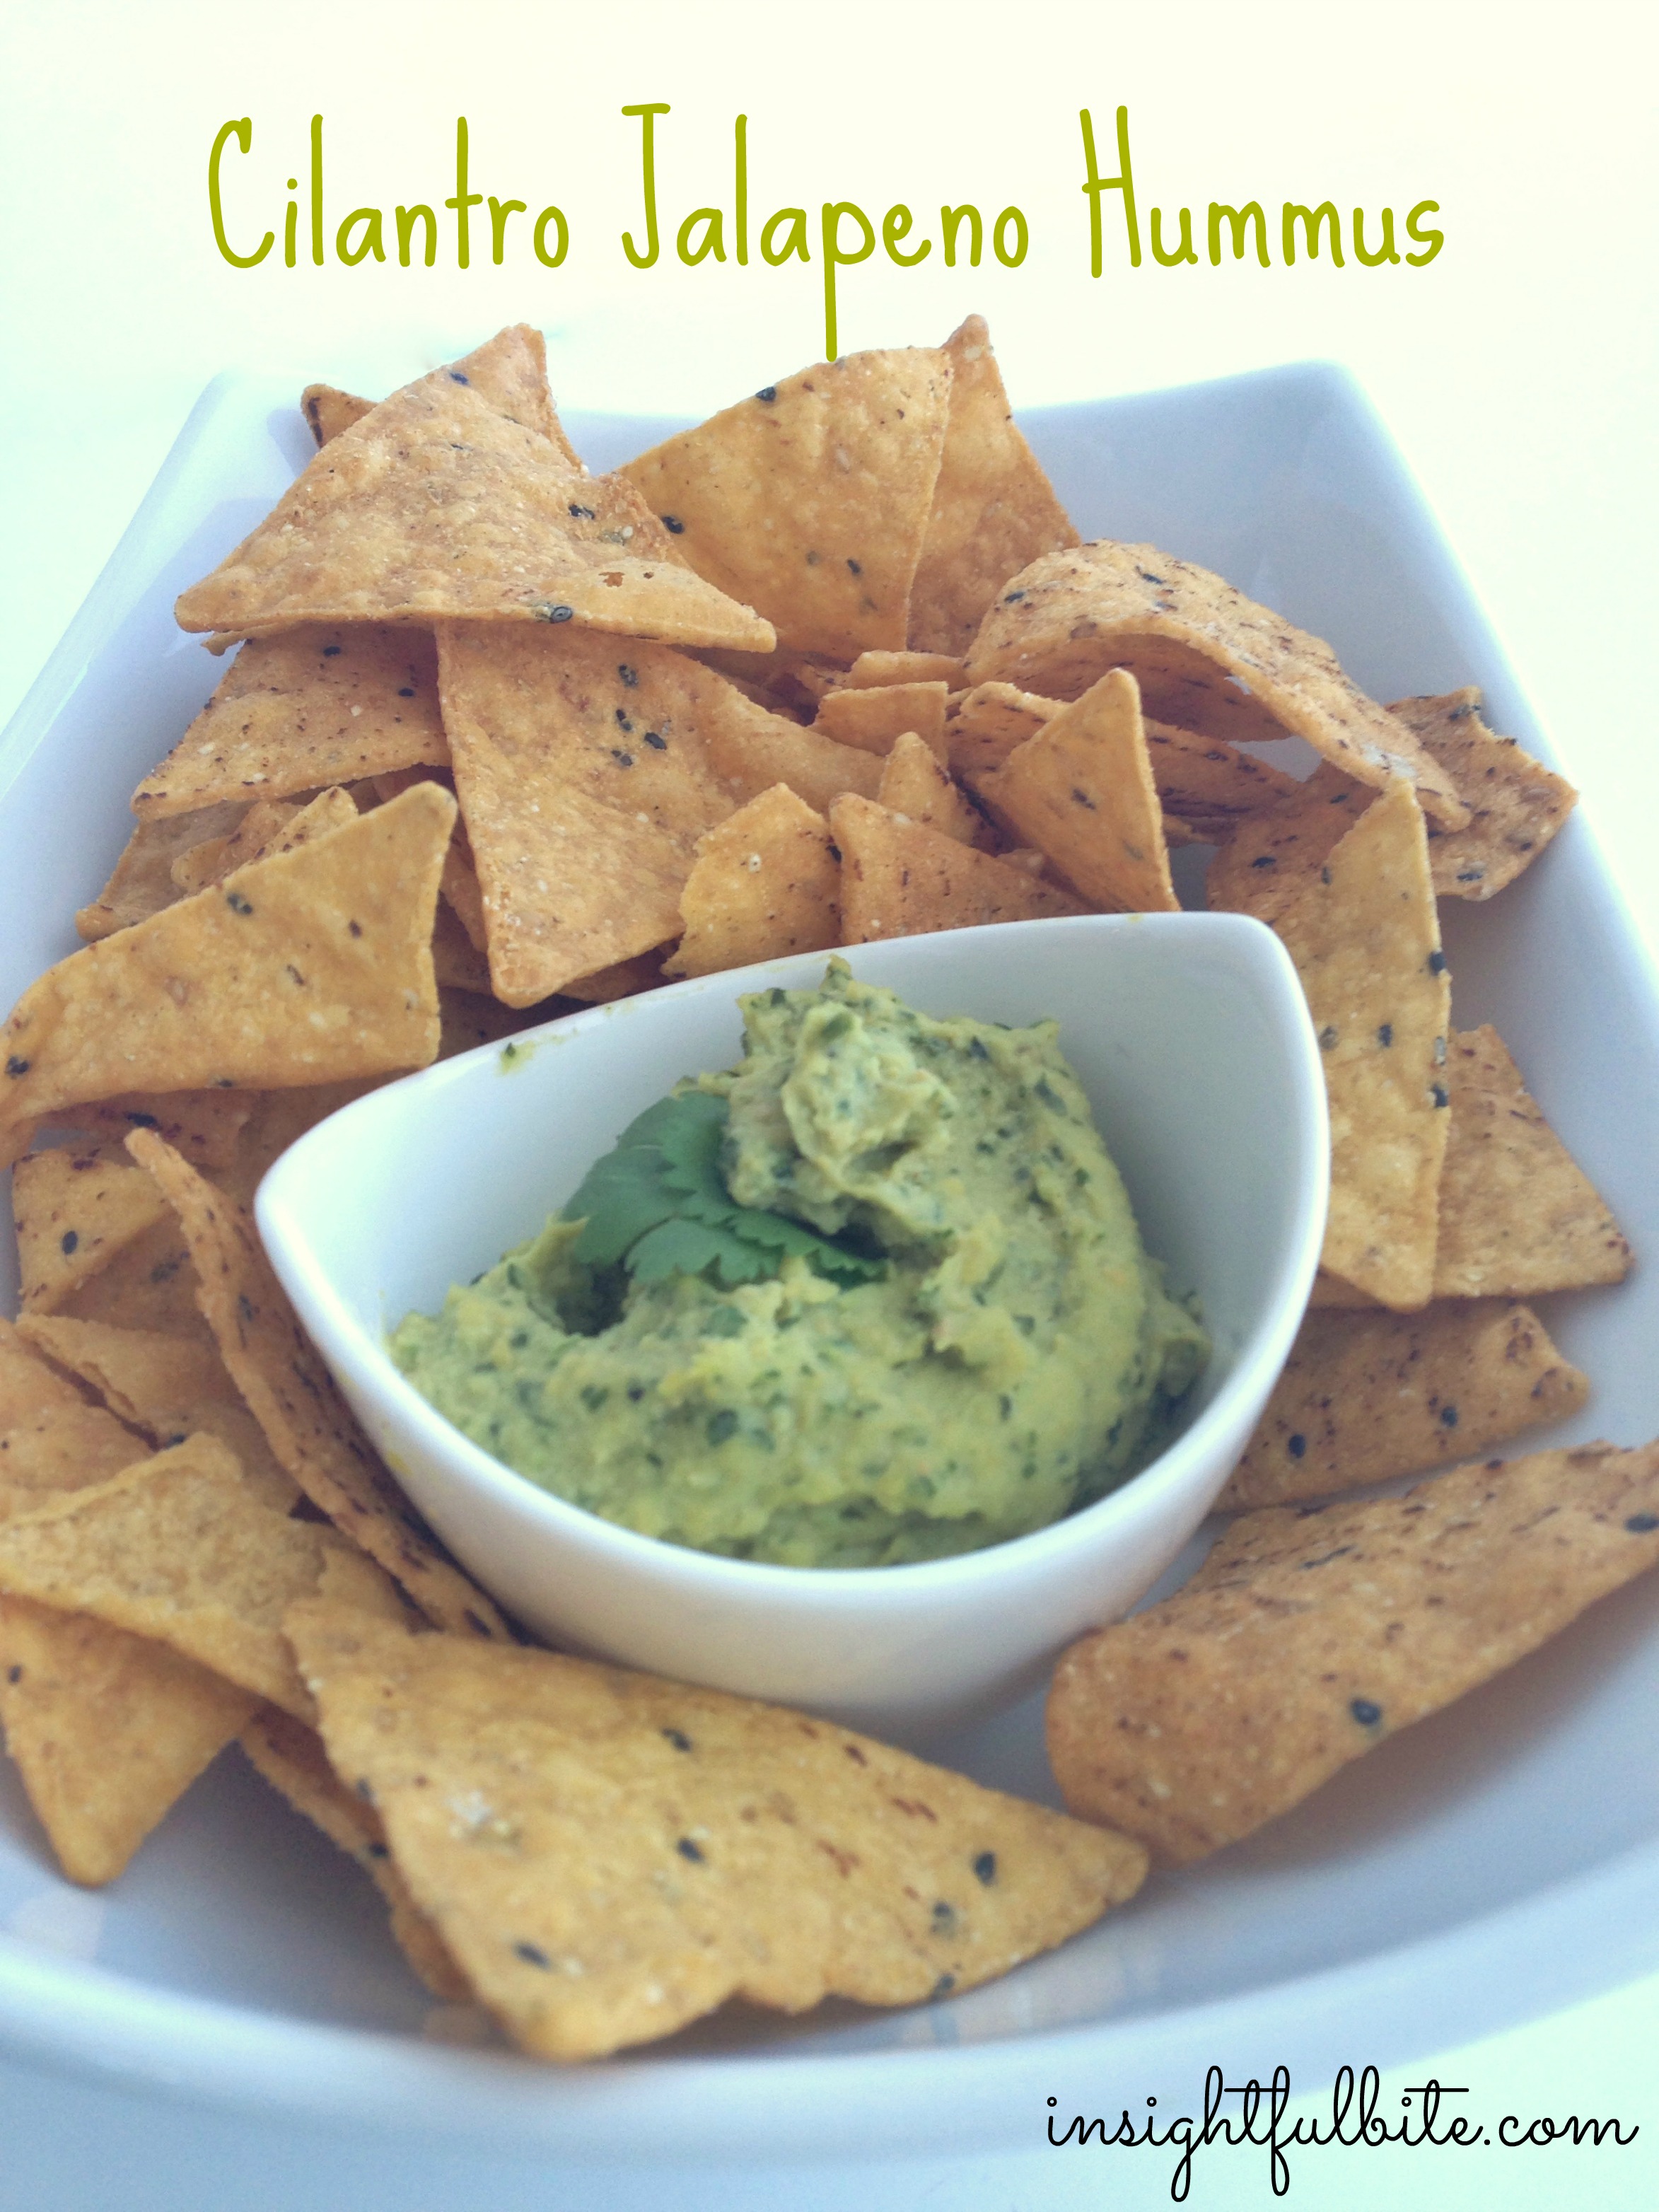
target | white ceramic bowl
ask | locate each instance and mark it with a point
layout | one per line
(1190, 1034)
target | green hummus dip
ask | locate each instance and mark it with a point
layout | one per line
(967, 1341)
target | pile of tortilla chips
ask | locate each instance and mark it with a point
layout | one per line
(501, 738)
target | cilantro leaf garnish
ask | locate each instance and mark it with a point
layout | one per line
(659, 1204)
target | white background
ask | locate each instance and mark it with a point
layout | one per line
(1517, 372)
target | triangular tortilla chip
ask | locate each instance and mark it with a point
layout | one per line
(765, 883)
(1271, 857)
(269, 827)
(1081, 790)
(166, 1387)
(109, 1731)
(150, 1285)
(142, 881)
(1516, 804)
(899, 878)
(74, 1211)
(309, 967)
(1365, 939)
(204, 1125)
(508, 372)
(914, 783)
(434, 505)
(811, 501)
(1208, 659)
(1518, 1216)
(177, 1547)
(587, 770)
(316, 705)
(289, 1392)
(993, 509)
(876, 670)
(1368, 1396)
(871, 717)
(1309, 1635)
(608, 1856)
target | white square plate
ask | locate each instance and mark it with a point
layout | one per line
(1488, 1864)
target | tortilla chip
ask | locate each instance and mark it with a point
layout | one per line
(877, 670)
(56, 1446)
(1365, 939)
(1518, 1216)
(1192, 641)
(328, 411)
(994, 510)
(317, 705)
(899, 878)
(914, 784)
(1271, 857)
(167, 1387)
(586, 772)
(282, 828)
(1081, 790)
(204, 1125)
(987, 723)
(178, 1548)
(623, 979)
(307, 968)
(608, 1856)
(149, 1285)
(508, 372)
(74, 1211)
(290, 1393)
(1310, 1634)
(766, 882)
(873, 719)
(811, 501)
(459, 886)
(141, 884)
(27, 1385)
(291, 1758)
(109, 1731)
(1367, 1396)
(434, 507)
(1209, 785)
(1516, 804)
(754, 750)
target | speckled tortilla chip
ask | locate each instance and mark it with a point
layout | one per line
(874, 717)
(178, 1548)
(1309, 1635)
(914, 783)
(899, 878)
(765, 882)
(74, 1209)
(1193, 642)
(1365, 939)
(328, 411)
(1210, 784)
(508, 372)
(1081, 790)
(141, 884)
(290, 1757)
(1367, 1396)
(811, 501)
(204, 1125)
(109, 1731)
(1516, 804)
(987, 723)
(754, 750)
(1271, 857)
(1518, 1216)
(151, 1285)
(167, 1387)
(994, 510)
(876, 670)
(265, 830)
(307, 968)
(290, 1393)
(434, 507)
(316, 705)
(608, 1856)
